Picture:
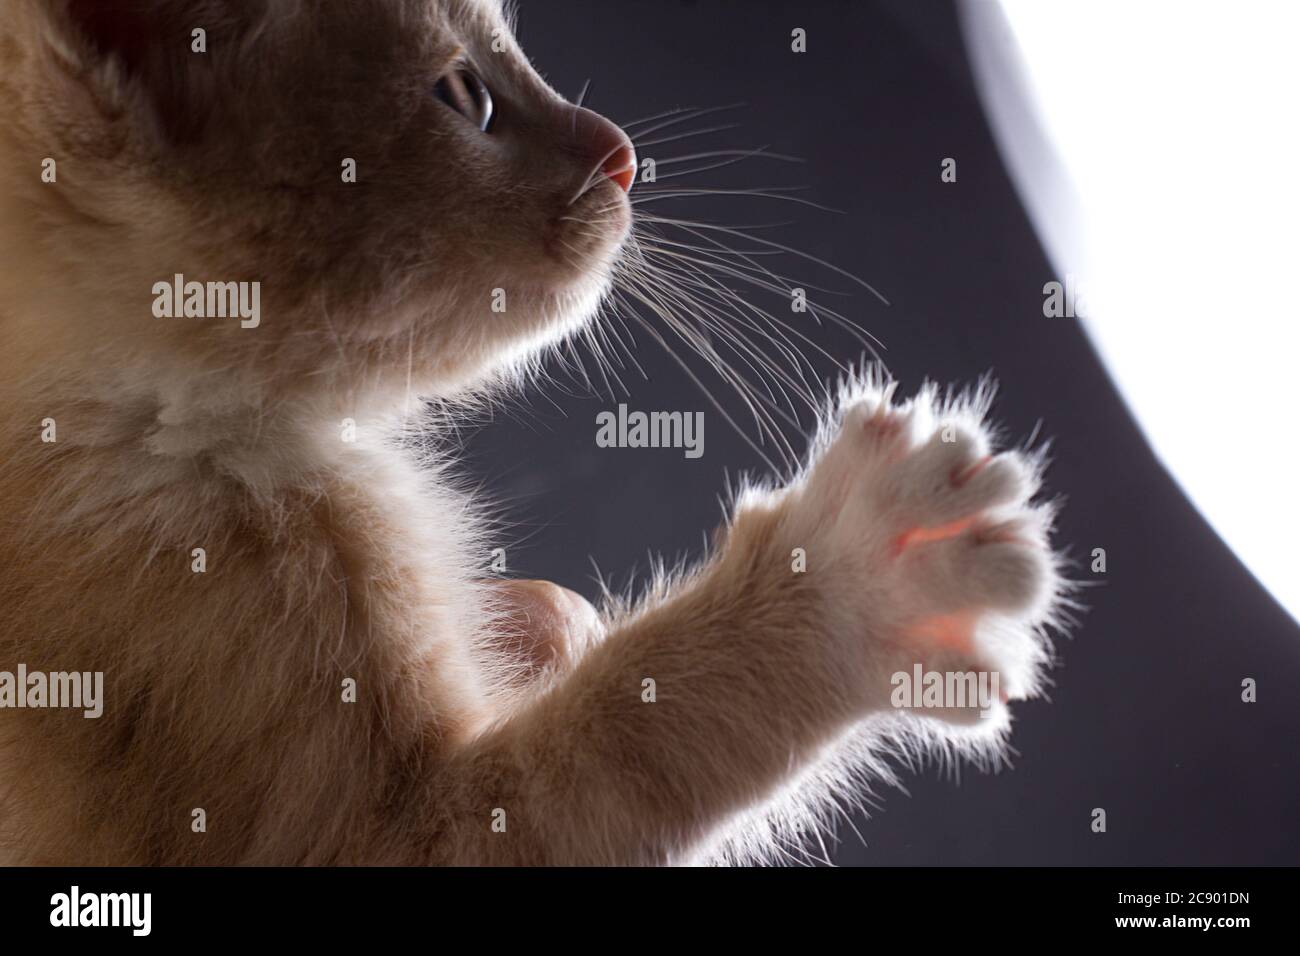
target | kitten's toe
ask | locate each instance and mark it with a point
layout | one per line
(541, 625)
(1000, 567)
(948, 480)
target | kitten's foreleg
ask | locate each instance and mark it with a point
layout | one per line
(903, 544)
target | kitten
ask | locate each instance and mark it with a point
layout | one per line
(300, 663)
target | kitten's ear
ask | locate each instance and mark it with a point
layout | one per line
(146, 47)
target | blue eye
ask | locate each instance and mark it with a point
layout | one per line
(465, 93)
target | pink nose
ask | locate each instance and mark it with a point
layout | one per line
(621, 167)
(606, 146)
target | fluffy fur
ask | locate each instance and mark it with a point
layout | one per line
(329, 560)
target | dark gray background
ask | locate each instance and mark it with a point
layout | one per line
(1146, 719)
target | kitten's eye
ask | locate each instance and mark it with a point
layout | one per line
(465, 93)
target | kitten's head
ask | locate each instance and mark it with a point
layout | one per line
(220, 140)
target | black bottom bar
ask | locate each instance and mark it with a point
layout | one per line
(985, 906)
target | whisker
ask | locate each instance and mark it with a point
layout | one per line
(658, 295)
(695, 113)
(763, 192)
(736, 338)
(689, 281)
(779, 324)
(783, 285)
(739, 157)
(686, 135)
(657, 116)
(654, 333)
(784, 248)
(710, 154)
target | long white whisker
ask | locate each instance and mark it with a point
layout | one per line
(784, 248)
(695, 113)
(687, 135)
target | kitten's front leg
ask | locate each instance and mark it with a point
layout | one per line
(919, 549)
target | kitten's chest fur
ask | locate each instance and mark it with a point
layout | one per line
(250, 611)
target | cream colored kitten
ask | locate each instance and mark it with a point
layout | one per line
(300, 663)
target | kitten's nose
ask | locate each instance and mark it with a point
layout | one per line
(621, 167)
(607, 147)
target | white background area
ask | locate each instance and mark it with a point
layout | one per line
(1155, 144)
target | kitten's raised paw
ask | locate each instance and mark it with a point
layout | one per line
(940, 568)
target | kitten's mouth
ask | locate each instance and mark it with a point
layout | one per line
(595, 226)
